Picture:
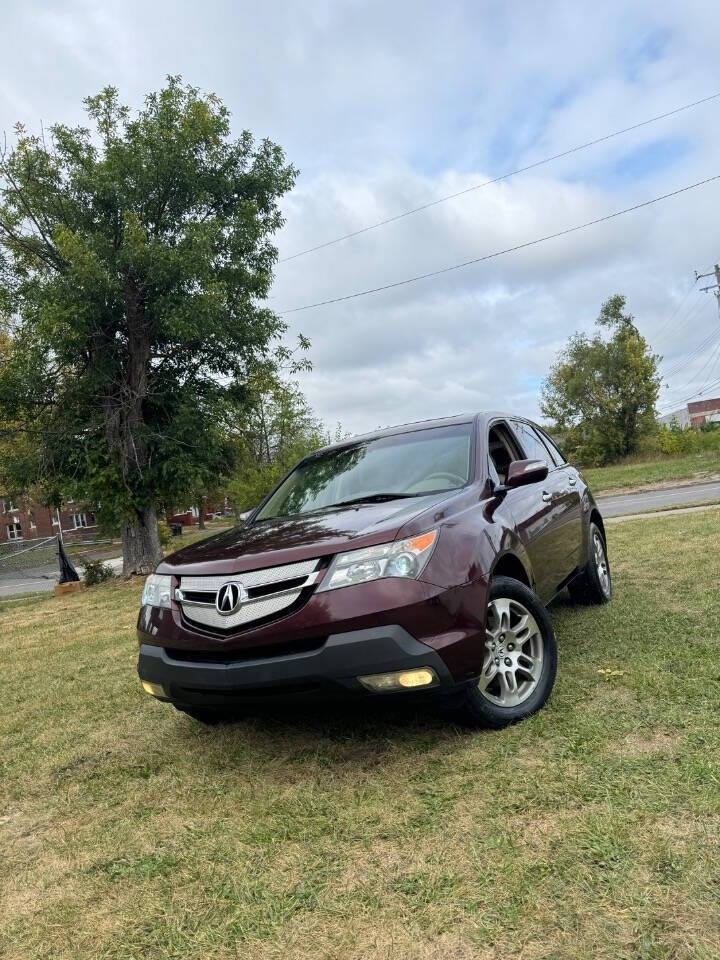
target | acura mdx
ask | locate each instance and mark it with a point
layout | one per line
(414, 560)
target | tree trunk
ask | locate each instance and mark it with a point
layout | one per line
(142, 551)
(201, 515)
(126, 431)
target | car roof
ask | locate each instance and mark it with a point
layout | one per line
(481, 418)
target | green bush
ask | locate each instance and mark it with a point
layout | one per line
(674, 440)
(96, 571)
(164, 534)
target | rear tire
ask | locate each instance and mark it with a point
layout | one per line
(594, 585)
(520, 658)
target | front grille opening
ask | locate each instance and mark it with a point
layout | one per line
(199, 597)
(214, 631)
(253, 653)
(268, 588)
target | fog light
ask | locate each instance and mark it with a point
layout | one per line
(416, 678)
(154, 689)
(399, 680)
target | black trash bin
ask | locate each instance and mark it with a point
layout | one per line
(176, 529)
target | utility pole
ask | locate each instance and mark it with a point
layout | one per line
(712, 286)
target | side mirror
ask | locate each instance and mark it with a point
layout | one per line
(521, 473)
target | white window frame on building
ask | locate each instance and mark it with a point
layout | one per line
(79, 520)
(14, 531)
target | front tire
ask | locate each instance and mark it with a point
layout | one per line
(520, 658)
(594, 585)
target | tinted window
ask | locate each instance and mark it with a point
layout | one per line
(502, 453)
(533, 446)
(555, 454)
(414, 464)
(552, 447)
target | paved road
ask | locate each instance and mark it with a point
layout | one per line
(42, 579)
(37, 579)
(623, 503)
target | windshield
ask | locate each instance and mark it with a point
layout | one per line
(405, 465)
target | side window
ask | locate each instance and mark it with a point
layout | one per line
(552, 447)
(533, 446)
(502, 451)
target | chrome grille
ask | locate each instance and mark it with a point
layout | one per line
(278, 588)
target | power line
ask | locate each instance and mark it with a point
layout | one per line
(707, 385)
(683, 362)
(711, 351)
(712, 363)
(710, 386)
(498, 253)
(504, 176)
(689, 315)
(666, 323)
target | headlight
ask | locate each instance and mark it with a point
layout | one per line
(403, 558)
(156, 592)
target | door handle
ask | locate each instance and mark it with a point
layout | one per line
(546, 496)
(572, 481)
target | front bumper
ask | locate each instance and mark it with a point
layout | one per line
(331, 669)
(448, 621)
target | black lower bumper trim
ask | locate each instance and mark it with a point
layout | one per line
(332, 668)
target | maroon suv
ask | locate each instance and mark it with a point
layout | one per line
(418, 558)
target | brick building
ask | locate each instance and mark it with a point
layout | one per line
(23, 519)
(694, 414)
(704, 411)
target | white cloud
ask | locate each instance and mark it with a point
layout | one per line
(384, 106)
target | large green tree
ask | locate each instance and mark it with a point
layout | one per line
(601, 391)
(279, 429)
(135, 255)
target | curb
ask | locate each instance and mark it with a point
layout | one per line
(671, 511)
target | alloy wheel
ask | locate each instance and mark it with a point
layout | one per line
(514, 653)
(601, 564)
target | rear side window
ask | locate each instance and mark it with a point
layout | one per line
(554, 452)
(532, 444)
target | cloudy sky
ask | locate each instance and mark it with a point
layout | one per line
(387, 106)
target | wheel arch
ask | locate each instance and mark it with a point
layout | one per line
(598, 521)
(510, 565)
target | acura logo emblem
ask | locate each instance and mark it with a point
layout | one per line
(229, 598)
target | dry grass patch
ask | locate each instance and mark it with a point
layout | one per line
(590, 831)
(647, 742)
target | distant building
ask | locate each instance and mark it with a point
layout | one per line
(704, 411)
(680, 418)
(695, 414)
(23, 519)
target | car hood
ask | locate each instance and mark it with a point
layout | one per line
(290, 539)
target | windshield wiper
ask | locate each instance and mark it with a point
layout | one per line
(375, 498)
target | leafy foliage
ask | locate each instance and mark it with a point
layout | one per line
(601, 392)
(133, 263)
(97, 572)
(279, 430)
(676, 440)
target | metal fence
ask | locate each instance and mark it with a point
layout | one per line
(25, 554)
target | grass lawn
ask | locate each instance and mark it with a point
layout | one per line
(633, 473)
(128, 831)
